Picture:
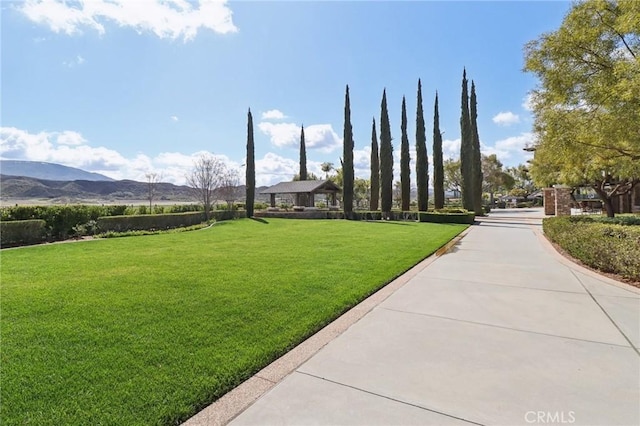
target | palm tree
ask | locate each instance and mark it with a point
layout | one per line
(326, 168)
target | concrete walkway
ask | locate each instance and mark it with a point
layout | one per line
(501, 330)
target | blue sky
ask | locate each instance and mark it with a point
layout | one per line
(125, 88)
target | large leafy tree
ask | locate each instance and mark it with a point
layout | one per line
(522, 180)
(347, 162)
(250, 182)
(452, 176)
(586, 104)
(466, 148)
(438, 170)
(405, 160)
(375, 169)
(422, 160)
(476, 156)
(386, 159)
(495, 178)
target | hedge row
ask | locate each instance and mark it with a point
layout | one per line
(463, 218)
(60, 220)
(626, 220)
(608, 247)
(151, 222)
(148, 222)
(22, 232)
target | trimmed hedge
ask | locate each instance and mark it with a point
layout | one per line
(626, 220)
(148, 222)
(60, 220)
(152, 222)
(463, 218)
(607, 247)
(434, 217)
(22, 232)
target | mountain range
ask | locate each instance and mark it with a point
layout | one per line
(55, 183)
(48, 171)
(47, 183)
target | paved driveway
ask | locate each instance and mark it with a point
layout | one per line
(500, 330)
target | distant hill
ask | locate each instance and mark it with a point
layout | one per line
(22, 187)
(48, 171)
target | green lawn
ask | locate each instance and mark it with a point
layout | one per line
(150, 329)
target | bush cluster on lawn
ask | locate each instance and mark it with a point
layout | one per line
(464, 218)
(62, 222)
(609, 247)
(22, 232)
(152, 222)
(453, 215)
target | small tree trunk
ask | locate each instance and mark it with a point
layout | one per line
(607, 201)
(608, 206)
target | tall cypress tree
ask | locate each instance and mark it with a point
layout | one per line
(250, 180)
(476, 159)
(466, 148)
(438, 166)
(386, 159)
(405, 159)
(422, 160)
(347, 164)
(303, 156)
(375, 169)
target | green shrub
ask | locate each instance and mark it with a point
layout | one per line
(22, 232)
(184, 208)
(464, 218)
(609, 247)
(451, 210)
(625, 220)
(60, 220)
(227, 215)
(149, 222)
(524, 204)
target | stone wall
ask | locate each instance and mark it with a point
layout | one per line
(549, 201)
(563, 201)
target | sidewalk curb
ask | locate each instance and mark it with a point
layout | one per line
(242, 397)
(579, 268)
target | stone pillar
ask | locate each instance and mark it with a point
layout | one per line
(563, 200)
(549, 201)
(273, 200)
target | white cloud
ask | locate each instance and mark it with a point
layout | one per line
(451, 148)
(273, 168)
(527, 102)
(175, 118)
(317, 136)
(171, 19)
(70, 148)
(281, 134)
(69, 137)
(506, 118)
(510, 148)
(77, 61)
(273, 114)
(515, 143)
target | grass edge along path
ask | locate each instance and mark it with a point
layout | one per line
(150, 329)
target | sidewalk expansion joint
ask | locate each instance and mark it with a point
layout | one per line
(552, 290)
(607, 314)
(392, 399)
(510, 328)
